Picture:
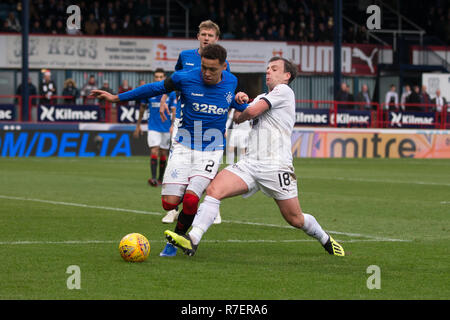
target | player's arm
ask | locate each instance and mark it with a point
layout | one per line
(137, 132)
(146, 91)
(253, 111)
(163, 107)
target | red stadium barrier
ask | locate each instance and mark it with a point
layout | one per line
(335, 107)
(382, 115)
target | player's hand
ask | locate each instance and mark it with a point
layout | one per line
(241, 97)
(100, 94)
(137, 132)
(162, 111)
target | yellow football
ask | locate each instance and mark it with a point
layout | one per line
(134, 247)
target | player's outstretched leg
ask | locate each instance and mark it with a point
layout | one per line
(292, 213)
(182, 241)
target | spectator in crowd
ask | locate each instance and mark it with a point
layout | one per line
(102, 31)
(13, 23)
(59, 28)
(161, 29)
(70, 91)
(364, 96)
(91, 26)
(36, 27)
(124, 87)
(322, 33)
(439, 102)
(424, 96)
(140, 29)
(114, 29)
(32, 91)
(148, 25)
(414, 98)
(128, 28)
(103, 103)
(106, 87)
(391, 98)
(344, 95)
(86, 90)
(48, 26)
(47, 88)
(405, 96)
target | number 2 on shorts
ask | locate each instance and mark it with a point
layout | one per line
(209, 166)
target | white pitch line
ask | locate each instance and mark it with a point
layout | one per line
(159, 214)
(80, 205)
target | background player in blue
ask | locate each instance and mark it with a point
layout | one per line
(208, 33)
(158, 136)
(207, 93)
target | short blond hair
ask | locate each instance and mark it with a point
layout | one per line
(208, 24)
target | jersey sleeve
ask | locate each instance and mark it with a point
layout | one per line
(237, 106)
(179, 65)
(276, 97)
(228, 67)
(146, 91)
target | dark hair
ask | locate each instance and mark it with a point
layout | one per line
(159, 70)
(288, 67)
(214, 51)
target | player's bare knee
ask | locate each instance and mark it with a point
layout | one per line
(213, 191)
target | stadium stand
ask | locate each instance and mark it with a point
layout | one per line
(291, 20)
(308, 21)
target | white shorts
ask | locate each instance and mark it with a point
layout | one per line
(176, 122)
(185, 163)
(158, 139)
(279, 183)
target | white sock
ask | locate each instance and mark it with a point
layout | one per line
(313, 229)
(206, 213)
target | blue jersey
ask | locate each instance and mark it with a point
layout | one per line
(188, 60)
(205, 106)
(155, 122)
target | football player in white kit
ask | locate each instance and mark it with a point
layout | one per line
(267, 167)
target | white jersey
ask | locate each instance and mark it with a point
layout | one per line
(270, 137)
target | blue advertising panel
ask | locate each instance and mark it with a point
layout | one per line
(130, 114)
(411, 119)
(324, 117)
(7, 112)
(68, 113)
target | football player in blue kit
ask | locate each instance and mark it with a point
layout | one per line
(208, 33)
(158, 135)
(207, 94)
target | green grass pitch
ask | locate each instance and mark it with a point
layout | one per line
(59, 212)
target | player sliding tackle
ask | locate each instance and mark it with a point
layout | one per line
(207, 93)
(267, 167)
